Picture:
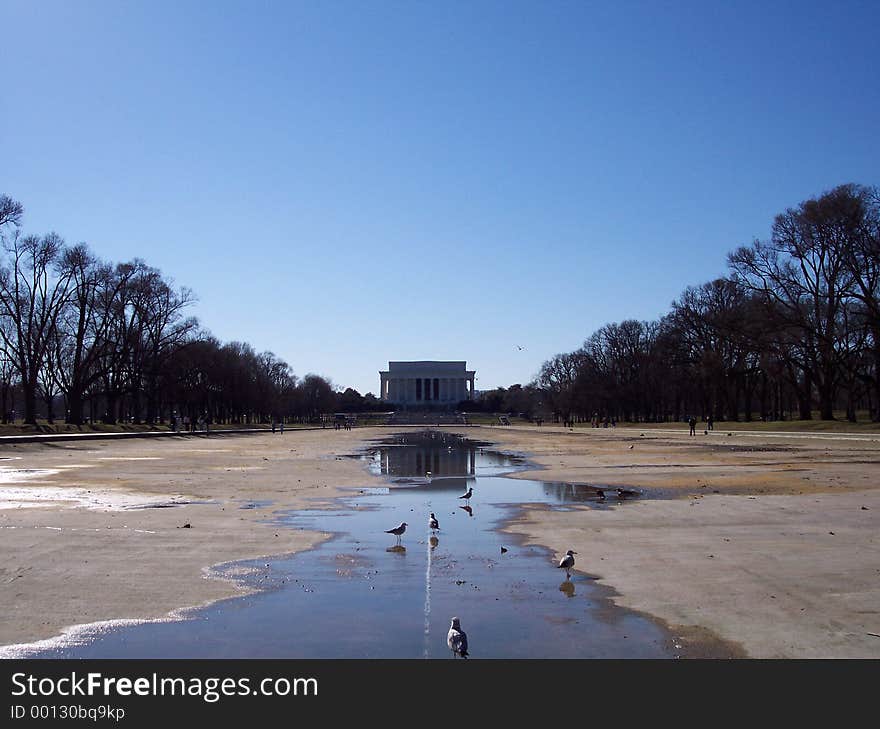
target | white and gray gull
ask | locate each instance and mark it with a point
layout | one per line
(457, 640)
(567, 562)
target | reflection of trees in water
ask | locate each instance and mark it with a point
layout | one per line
(567, 492)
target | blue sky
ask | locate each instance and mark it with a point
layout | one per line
(346, 183)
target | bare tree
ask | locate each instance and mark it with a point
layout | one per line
(862, 208)
(162, 328)
(83, 332)
(33, 292)
(8, 371)
(557, 377)
(11, 211)
(802, 271)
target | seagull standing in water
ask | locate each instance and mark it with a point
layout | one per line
(567, 562)
(456, 639)
(398, 530)
(467, 496)
(433, 523)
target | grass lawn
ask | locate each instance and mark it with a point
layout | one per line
(840, 425)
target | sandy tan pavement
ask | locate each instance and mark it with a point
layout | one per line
(762, 539)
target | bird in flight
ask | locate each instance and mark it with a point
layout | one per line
(457, 640)
(567, 562)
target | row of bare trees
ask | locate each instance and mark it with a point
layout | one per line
(794, 327)
(113, 342)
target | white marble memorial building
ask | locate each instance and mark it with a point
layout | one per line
(426, 384)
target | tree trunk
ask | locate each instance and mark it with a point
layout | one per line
(50, 408)
(110, 412)
(136, 405)
(805, 398)
(75, 407)
(850, 405)
(875, 414)
(152, 395)
(826, 401)
(30, 402)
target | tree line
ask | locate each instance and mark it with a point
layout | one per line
(794, 327)
(112, 342)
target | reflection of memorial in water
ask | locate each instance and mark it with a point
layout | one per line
(441, 461)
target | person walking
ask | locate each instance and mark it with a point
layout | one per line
(692, 421)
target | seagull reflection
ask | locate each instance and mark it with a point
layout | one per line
(468, 509)
(397, 549)
(433, 541)
(568, 588)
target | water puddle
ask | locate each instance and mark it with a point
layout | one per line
(365, 593)
(257, 504)
(168, 504)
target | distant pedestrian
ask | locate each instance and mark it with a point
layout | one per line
(282, 426)
(693, 423)
(273, 426)
(710, 423)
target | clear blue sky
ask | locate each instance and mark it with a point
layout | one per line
(346, 183)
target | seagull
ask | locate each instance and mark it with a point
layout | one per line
(433, 523)
(456, 639)
(567, 562)
(520, 348)
(398, 530)
(600, 493)
(467, 496)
